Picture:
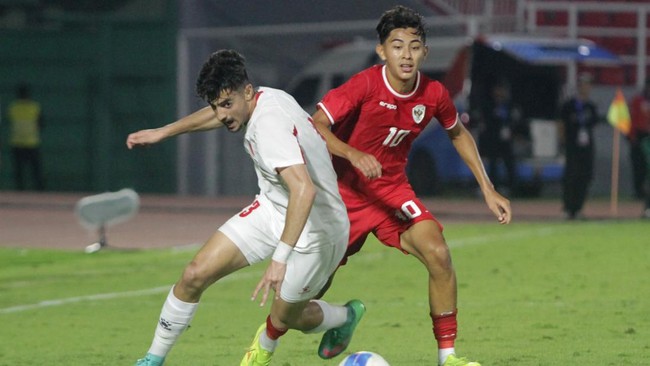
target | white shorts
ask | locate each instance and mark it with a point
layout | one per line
(256, 231)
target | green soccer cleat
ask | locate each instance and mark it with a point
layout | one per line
(256, 356)
(150, 360)
(336, 340)
(452, 360)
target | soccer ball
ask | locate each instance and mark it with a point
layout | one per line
(364, 358)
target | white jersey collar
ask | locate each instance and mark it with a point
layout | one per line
(393, 91)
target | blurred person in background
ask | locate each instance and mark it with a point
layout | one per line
(579, 116)
(497, 125)
(640, 117)
(26, 122)
(645, 147)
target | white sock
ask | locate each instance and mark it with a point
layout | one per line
(443, 353)
(175, 317)
(268, 343)
(333, 316)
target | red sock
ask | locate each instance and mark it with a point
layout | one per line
(445, 328)
(273, 332)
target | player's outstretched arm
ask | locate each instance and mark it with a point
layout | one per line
(366, 163)
(201, 120)
(466, 147)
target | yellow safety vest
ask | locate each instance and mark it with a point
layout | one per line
(24, 116)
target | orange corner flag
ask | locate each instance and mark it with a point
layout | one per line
(618, 114)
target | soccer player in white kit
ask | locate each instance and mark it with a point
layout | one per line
(298, 218)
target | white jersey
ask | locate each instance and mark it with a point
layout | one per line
(280, 134)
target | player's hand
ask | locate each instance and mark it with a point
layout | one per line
(144, 138)
(366, 163)
(499, 205)
(272, 279)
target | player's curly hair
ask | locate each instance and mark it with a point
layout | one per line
(400, 17)
(225, 70)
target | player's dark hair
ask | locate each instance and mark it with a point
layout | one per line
(400, 17)
(225, 70)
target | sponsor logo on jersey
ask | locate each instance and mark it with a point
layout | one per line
(387, 105)
(418, 113)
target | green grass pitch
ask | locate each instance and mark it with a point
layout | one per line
(529, 294)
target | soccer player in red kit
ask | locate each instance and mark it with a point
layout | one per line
(369, 124)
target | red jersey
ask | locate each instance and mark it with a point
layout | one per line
(369, 115)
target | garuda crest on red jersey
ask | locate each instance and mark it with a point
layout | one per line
(418, 113)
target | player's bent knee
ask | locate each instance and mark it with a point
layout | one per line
(437, 255)
(195, 279)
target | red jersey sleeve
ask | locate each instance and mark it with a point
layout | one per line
(446, 113)
(344, 101)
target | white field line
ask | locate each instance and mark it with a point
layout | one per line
(457, 243)
(508, 236)
(69, 300)
(110, 295)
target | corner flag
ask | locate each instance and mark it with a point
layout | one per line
(618, 114)
(619, 117)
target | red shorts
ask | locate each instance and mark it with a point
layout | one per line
(387, 218)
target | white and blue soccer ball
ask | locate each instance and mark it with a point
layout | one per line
(364, 358)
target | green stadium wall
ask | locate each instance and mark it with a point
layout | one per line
(96, 83)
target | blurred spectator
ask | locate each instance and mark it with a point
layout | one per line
(497, 124)
(645, 146)
(579, 116)
(640, 114)
(25, 122)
